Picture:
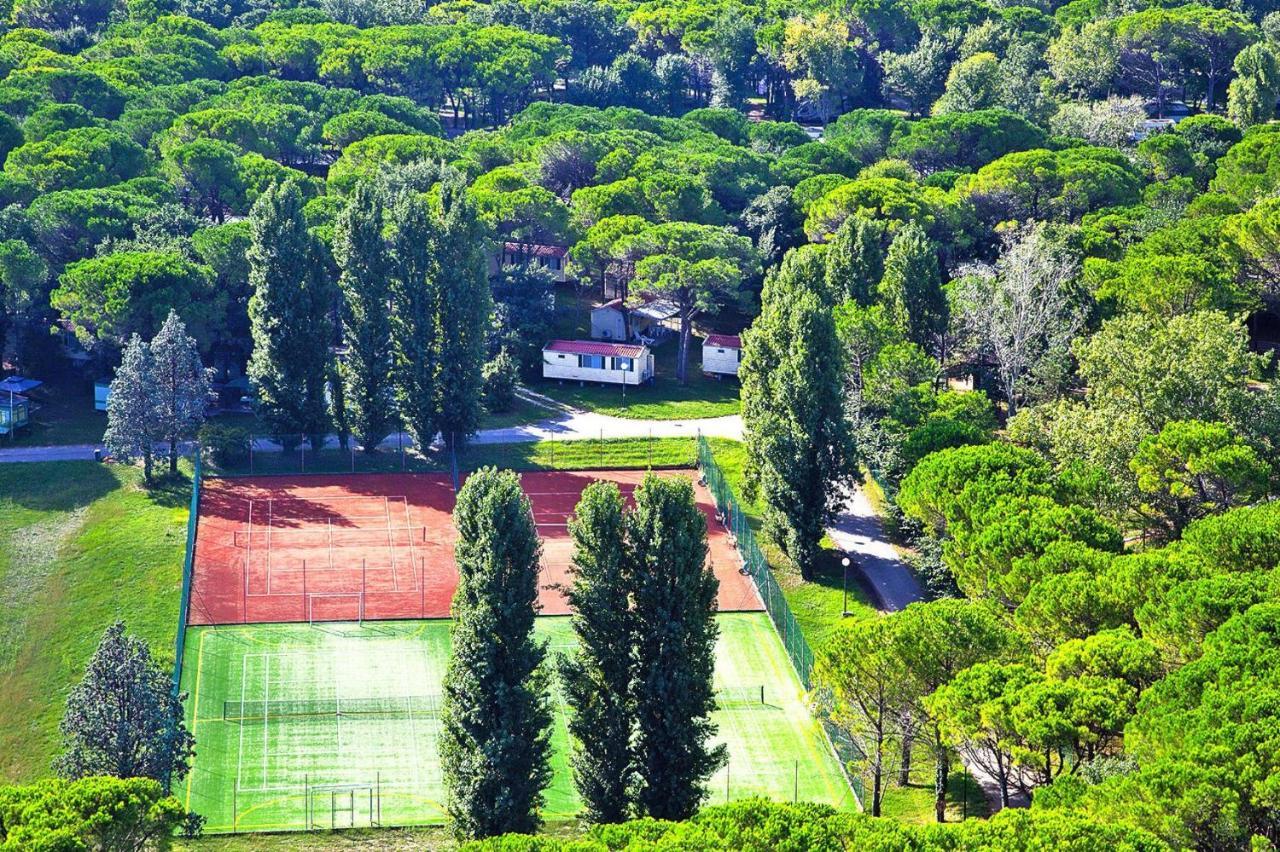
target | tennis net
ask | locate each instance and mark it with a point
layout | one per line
(401, 706)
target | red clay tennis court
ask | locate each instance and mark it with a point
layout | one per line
(380, 546)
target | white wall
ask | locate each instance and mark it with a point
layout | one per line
(608, 325)
(716, 359)
(555, 367)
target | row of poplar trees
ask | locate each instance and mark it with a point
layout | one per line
(403, 291)
(801, 381)
(639, 685)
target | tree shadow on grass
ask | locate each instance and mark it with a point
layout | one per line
(56, 486)
(169, 490)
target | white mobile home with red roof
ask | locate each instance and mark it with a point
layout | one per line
(596, 361)
(721, 354)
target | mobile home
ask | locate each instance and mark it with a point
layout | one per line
(594, 361)
(554, 259)
(721, 354)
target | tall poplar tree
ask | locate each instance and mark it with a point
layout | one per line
(415, 315)
(182, 385)
(799, 443)
(855, 261)
(361, 253)
(674, 606)
(465, 308)
(289, 314)
(912, 288)
(495, 746)
(597, 678)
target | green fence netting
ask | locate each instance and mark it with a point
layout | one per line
(757, 566)
(188, 562)
(775, 603)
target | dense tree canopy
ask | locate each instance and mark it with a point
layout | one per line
(1039, 248)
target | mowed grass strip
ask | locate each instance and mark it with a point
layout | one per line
(316, 767)
(81, 545)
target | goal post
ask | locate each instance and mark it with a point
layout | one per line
(321, 607)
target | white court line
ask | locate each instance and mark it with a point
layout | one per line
(248, 555)
(266, 717)
(391, 546)
(244, 678)
(337, 703)
(413, 723)
(270, 510)
(413, 556)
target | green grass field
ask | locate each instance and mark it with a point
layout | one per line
(81, 545)
(259, 772)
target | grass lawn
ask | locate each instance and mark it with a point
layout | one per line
(356, 840)
(618, 453)
(664, 399)
(914, 803)
(81, 545)
(275, 753)
(522, 413)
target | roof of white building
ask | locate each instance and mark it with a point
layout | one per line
(724, 341)
(595, 347)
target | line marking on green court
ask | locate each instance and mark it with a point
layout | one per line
(195, 710)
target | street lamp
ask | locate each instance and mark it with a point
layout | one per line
(844, 563)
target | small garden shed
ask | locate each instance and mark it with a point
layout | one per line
(721, 354)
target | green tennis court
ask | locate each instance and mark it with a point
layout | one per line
(333, 726)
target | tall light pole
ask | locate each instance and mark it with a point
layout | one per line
(844, 563)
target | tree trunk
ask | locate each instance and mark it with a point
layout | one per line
(941, 774)
(173, 455)
(146, 466)
(686, 331)
(904, 768)
(876, 792)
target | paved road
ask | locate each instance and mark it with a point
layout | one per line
(859, 531)
(560, 425)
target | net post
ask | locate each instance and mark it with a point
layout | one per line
(379, 783)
